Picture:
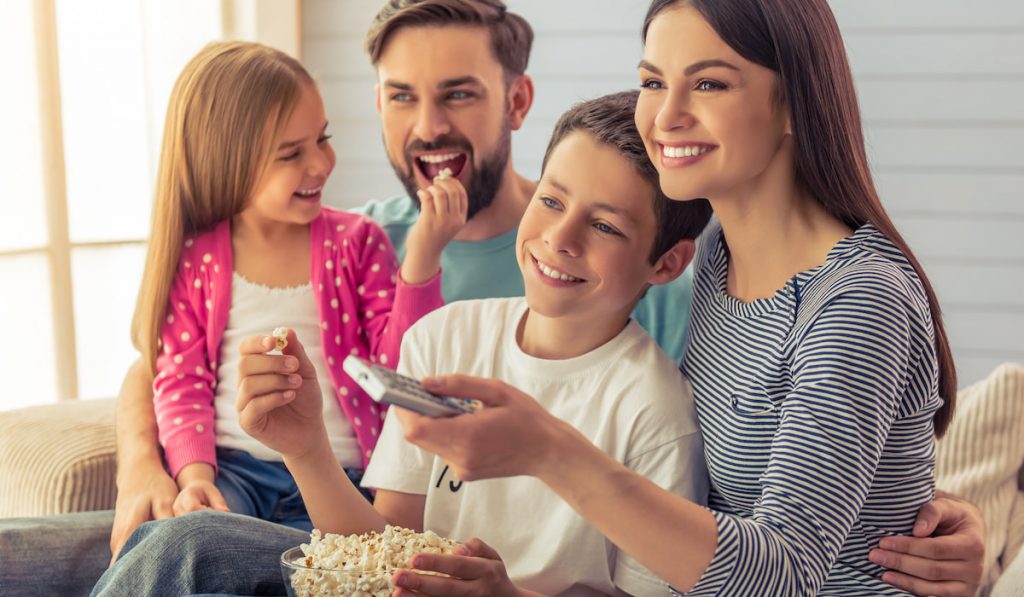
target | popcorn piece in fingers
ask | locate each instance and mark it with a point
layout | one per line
(281, 337)
(445, 173)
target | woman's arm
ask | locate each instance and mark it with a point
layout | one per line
(517, 436)
(808, 504)
(514, 435)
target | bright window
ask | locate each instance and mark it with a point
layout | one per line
(86, 88)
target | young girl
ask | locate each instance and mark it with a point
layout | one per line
(236, 221)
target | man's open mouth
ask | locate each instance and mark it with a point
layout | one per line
(431, 164)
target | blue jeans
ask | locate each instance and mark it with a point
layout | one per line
(202, 552)
(207, 552)
(266, 490)
(54, 555)
(260, 489)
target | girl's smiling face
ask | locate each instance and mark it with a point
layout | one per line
(290, 188)
(712, 121)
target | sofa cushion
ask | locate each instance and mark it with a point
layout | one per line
(57, 458)
(981, 455)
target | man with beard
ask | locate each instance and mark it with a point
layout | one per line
(451, 88)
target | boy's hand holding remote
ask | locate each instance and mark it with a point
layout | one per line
(279, 398)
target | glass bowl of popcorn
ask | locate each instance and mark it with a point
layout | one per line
(360, 565)
(302, 580)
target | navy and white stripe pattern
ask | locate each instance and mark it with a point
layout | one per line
(816, 406)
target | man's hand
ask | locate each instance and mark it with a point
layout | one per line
(945, 555)
(444, 206)
(144, 494)
(144, 489)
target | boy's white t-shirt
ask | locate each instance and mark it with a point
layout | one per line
(626, 396)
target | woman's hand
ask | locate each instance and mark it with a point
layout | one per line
(279, 398)
(443, 209)
(474, 569)
(511, 435)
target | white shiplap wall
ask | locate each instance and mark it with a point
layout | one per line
(941, 86)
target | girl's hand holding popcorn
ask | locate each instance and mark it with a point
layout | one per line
(279, 398)
(443, 209)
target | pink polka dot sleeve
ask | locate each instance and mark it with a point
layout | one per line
(387, 305)
(183, 387)
(366, 309)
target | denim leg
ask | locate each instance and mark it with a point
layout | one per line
(202, 552)
(243, 482)
(266, 489)
(54, 555)
(300, 521)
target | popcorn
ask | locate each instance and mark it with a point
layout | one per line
(281, 336)
(367, 561)
(445, 173)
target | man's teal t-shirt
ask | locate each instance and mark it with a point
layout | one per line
(488, 269)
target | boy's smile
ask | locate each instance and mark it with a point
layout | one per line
(554, 276)
(584, 243)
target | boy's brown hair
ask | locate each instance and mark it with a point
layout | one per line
(511, 35)
(609, 119)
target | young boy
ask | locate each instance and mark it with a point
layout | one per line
(597, 234)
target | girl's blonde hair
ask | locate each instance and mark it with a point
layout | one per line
(225, 114)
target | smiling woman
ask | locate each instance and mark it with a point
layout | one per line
(819, 365)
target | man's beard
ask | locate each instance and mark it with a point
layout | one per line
(486, 176)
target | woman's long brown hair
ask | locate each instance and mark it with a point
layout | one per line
(800, 40)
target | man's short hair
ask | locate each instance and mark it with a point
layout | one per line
(511, 35)
(609, 119)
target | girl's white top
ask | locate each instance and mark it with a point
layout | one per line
(257, 310)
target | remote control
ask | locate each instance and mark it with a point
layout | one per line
(384, 385)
